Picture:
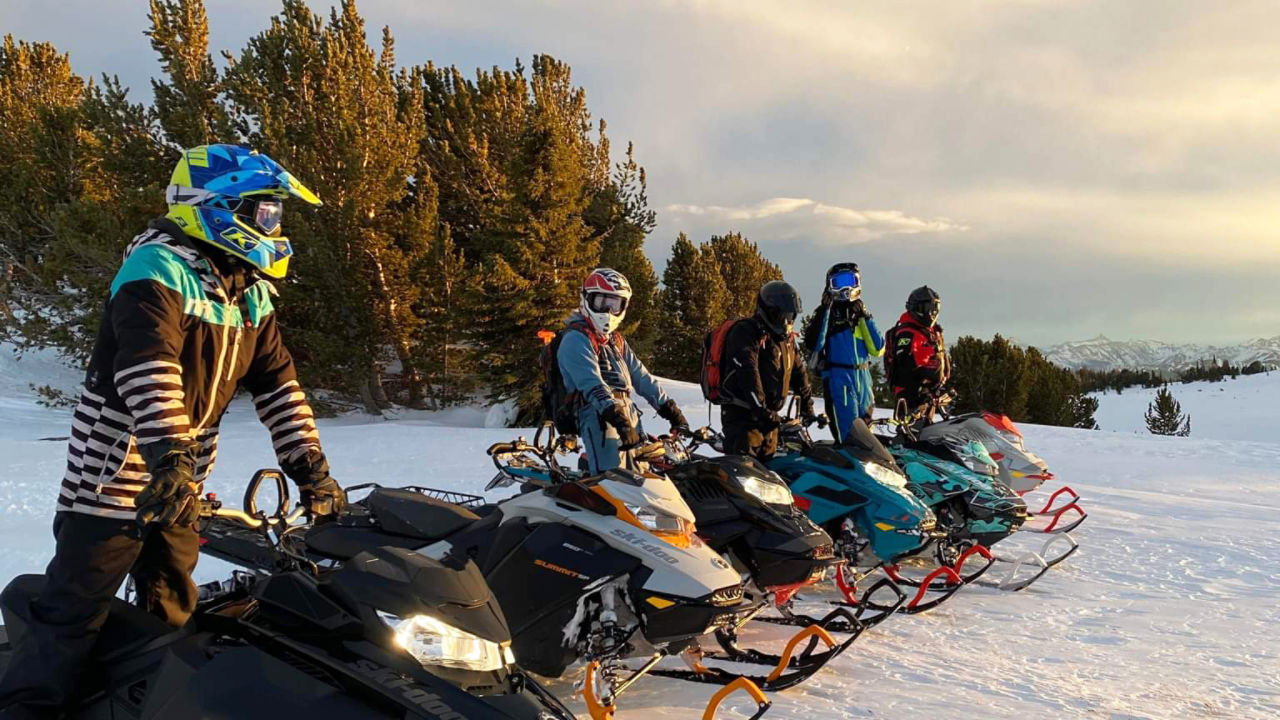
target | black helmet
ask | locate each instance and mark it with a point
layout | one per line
(778, 306)
(924, 304)
(844, 282)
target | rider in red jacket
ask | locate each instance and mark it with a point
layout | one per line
(916, 364)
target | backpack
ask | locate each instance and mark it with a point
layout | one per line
(712, 371)
(559, 405)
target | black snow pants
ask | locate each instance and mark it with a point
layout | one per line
(93, 557)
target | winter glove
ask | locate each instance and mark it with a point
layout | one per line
(858, 309)
(172, 497)
(671, 413)
(616, 417)
(322, 496)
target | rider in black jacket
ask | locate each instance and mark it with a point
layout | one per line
(762, 367)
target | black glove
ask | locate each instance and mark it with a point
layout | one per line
(858, 309)
(615, 416)
(322, 496)
(671, 413)
(172, 497)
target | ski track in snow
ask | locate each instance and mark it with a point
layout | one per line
(1169, 609)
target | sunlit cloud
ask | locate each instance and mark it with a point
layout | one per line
(785, 218)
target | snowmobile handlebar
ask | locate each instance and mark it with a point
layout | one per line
(253, 522)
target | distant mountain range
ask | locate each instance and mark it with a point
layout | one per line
(1102, 353)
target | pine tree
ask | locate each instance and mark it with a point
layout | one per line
(693, 301)
(187, 103)
(315, 96)
(1165, 417)
(744, 270)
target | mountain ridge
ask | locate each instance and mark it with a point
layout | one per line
(1103, 353)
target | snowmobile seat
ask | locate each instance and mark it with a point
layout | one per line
(128, 627)
(412, 514)
(340, 542)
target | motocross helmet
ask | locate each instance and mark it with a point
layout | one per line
(844, 282)
(605, 296)
(924, 305)
(778, 306)
(232, 198)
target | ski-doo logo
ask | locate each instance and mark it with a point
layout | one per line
(648, 546)
(390, 679)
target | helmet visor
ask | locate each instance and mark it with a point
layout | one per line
(602, 303)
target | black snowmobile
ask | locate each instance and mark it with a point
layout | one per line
(393, 635)
(746, 512)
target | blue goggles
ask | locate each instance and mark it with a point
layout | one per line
(843, 280)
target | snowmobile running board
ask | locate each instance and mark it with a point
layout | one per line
(1057, 514)
(603, 708)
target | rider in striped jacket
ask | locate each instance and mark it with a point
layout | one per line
(190, 318)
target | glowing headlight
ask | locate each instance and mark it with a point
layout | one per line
(658, 522)
(436, 643)
(884, 475)
(768, 492)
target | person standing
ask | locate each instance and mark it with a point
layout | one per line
(917, 365)
(599, 373)
(189, 319)
(761, 368)
(841, 340)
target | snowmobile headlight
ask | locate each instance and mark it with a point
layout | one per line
(674, 530)
(435, 643)
(770, 493)
(884, 475)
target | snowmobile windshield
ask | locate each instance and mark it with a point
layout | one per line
(865, 444)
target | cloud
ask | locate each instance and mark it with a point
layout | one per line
(805, 219)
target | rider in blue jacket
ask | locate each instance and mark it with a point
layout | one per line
(841, 340)
(601, 372)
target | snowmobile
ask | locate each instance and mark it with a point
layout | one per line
(595, 569)
(393, 635)
(993, 443)
(857, 492)
(747, 513)
(974, 508)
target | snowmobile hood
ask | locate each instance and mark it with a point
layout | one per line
(651, 491)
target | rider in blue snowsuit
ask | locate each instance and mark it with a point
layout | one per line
(601, 372)
(841, 340)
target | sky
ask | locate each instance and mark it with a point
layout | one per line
(1055, 169)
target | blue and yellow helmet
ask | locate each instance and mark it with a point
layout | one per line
(232, 198)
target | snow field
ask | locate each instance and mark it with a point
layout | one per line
(1168, 610)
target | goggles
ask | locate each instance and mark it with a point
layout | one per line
(262, 214)
(602, 303)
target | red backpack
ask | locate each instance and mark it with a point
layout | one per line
(713, 362)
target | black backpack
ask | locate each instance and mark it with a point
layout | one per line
(558, 404)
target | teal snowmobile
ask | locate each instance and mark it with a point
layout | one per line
(859, 494)
(974, 508)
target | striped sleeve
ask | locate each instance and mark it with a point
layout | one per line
(147, 319)
(282, 406)
(288, 417)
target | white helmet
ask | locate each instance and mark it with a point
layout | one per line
(605, 296)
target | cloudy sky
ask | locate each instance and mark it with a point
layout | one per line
(1055, 168)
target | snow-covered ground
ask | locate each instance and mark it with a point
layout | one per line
(1246, 408)
(1169, 610)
